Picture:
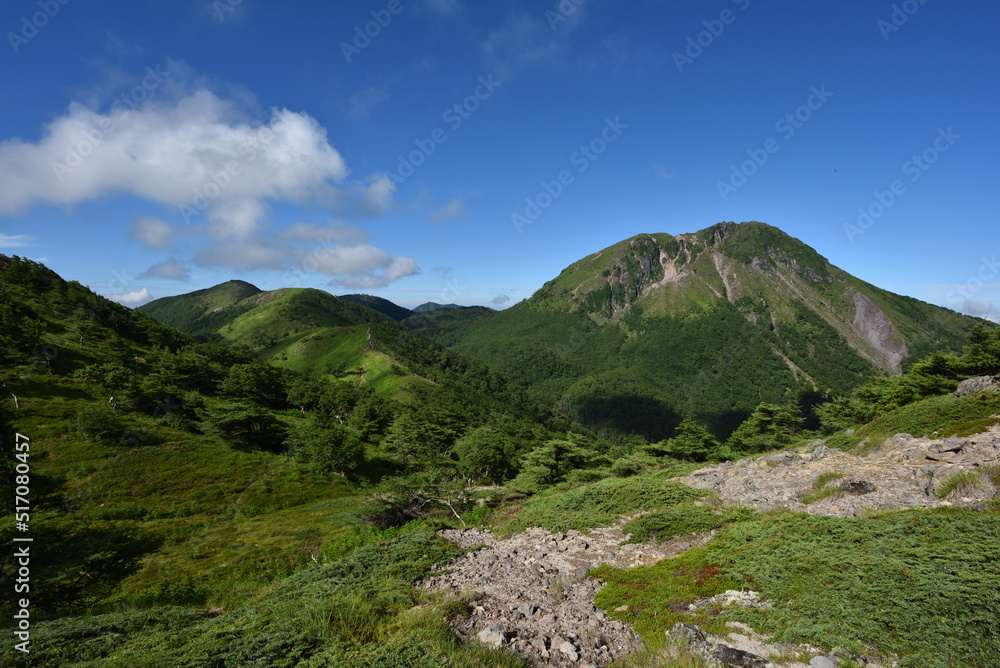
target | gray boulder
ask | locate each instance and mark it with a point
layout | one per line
(822, 452)
(857, 487)
(822, 662)
(977, 384)
(717, 655)
(685, 633)
(493, 636)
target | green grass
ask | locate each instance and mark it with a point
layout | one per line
(923, 586)
(603, 502)
(949, 416)
(820, 490)
(958, 483)
(681, 521)
(357, 611)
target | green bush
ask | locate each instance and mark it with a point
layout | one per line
(666, 524)
(100, 424)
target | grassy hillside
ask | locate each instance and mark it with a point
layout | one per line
(208, 308)
(165, 516)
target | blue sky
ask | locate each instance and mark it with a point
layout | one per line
(451, 151)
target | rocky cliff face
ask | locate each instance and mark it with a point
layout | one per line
(879, 332)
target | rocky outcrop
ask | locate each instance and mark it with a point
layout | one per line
(977, 384)
(902, 472)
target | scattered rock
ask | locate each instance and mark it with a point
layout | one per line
(569, 650)
(977, 384)
(951, 444)
(857, 487)
(904, 472)
(688, 633)
(821, 452)
(718, 655)
(493, 636)
(822, 662)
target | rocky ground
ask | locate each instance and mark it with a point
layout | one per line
(530, 594)
(529, 591)
(904, 472)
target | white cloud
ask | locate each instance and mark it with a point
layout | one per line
(152, 233)
(333, 233)
(132, 299)
(14, 240)
(392, 270)
(199, 154)
(453, 209)
(172, 270)
(336, 250)
(502, 299)
(980, 309)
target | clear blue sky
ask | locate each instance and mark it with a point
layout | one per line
(467, 152)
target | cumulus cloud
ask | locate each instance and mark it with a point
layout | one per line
(132, 299)
(502, 299)
(14, 240)
(199, 154)
(453, 209)
(172, 270)
(980, 309)
(152, 233)
(361, 266)
(339, 251)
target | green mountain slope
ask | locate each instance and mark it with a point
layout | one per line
(383, 306)
(709, 324)
(446, 326)
(316, 334)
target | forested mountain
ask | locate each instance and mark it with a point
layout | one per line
(633, 337)
(339, 339)
(383, 306)
(446, 325)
